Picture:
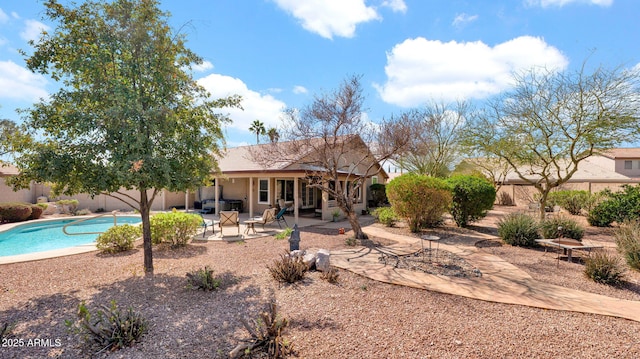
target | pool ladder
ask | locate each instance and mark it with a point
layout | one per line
(64, 229)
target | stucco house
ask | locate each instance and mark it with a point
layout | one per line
(611, 170)
(251, 185)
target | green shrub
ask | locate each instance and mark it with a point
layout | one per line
(203, 279)
(571, 200)
(175, 228)
(570, 228)
(616, 207)
(386, 216)
(420, 199)
(288, 269)
(518, 229)
(472, 198)
(628, 243)
(69, 206)
(603, 214)
(14, 212)
(603, 268)
(118, 238)
(36, 212)
(109, 328)
(286, 233)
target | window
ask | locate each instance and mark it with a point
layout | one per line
(628, 165)
(263, 190)
(374, 179)
(284, 190)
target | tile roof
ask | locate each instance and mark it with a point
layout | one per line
(622, 153)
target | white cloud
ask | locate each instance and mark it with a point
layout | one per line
(204, 66)
(299, 89)
(330, 17)
(3, 16)
(256, 106)
(419, 70)
(395, 5)
(463, 19)
(18, 83)
(33, 29)
(561, 3)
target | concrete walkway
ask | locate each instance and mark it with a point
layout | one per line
(500, 282)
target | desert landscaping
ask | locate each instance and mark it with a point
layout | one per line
(356, 317)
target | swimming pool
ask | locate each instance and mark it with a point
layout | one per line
(47, 235)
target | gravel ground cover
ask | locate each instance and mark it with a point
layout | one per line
(355, 318)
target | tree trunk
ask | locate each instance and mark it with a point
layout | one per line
(146, 233)
(355, 225)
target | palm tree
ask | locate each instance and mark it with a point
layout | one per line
(258, 127)
(273, 134)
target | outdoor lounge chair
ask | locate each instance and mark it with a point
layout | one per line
(229, 219)
(268, 216)
(280, 217)
(206, 223)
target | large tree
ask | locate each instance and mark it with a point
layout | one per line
(435, 143)
(331, 139)
(552, 121)
(8, 128)
(128, 114)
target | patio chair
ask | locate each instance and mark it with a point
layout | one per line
(229, 219)
(206, 223)
(268, 216)
(280, 217)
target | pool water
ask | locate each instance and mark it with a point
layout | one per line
(48, 235)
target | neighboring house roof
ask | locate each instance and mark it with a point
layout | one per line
(592, 169)
(622, 153)
(7, 169)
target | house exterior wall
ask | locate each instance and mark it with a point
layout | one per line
(524, 194)
(634, 171)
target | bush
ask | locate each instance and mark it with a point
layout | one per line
(572, 201)
(203, 279)
(288, 269)
(570, 228)
(109, 328)
(69, 206)
(604, 268)
(286, 233)
(420, 199)
(504, 199)
(386, 216)
(36, 211)
(14, 212)
(265, 335)
(330, 276)
(472, 198)
(628, 243)
(616, 207)
(518, 229)
(603, 214)
(176, 228)
(118, 238)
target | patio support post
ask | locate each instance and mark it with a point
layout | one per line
(216, 196)
(250, 197)
(186, 201)
(296, 199)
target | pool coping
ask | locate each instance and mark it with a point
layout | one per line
(54, 253)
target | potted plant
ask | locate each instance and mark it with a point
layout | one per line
(336, 214)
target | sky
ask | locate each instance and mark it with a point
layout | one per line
(280, 54)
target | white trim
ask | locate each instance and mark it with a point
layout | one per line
(268, 191)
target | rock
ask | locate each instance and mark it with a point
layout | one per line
(309, 259)
(297, 253)
(323, 262)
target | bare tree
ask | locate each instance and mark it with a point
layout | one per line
(330, 140)
(436, 140)
(550, 122)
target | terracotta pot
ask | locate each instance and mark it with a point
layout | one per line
(341, 230)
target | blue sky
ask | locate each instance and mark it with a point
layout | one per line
(280, 53)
